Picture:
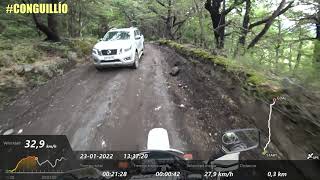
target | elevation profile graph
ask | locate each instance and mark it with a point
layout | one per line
(32, 164)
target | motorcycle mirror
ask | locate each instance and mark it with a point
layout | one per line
(239, 140)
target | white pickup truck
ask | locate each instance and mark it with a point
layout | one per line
(119, 47)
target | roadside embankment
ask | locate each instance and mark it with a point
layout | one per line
(295, 125)
(26, 63)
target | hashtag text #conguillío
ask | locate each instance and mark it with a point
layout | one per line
(59, 8)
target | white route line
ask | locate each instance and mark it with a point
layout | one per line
(269, 124)
(47, 161)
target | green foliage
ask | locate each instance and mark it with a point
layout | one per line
(58, 48)
(6, 45)
(37, 79)
(25, 53)
(20, 52)
(16, 32)
(276, 53)
(16, 26)
(82, 46)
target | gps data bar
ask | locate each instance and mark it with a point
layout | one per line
(51, 157)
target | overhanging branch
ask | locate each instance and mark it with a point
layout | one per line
(234, 5)
(161, 3)
(156, 12)
(265, 20)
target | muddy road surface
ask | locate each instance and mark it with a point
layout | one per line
(114, 109)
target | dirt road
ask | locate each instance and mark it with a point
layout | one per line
(114, 109)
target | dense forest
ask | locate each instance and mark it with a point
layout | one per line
(277, 37)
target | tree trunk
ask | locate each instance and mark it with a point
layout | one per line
(53, 24)
(318, 30)
(52, 35)
(298, 59)
(245, 24)
(278, 45)
(299, 55)
(50, 30)
(317, 52)
(200, 17)
(79, 33)
(277, 49)
(72, 14)
(202, 39)
(317, 42)
(244, 31)
(290, 58)
(2, 27)
(169, 21)
(218, 20)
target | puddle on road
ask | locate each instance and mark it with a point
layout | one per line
(8, 132)
(20, 131)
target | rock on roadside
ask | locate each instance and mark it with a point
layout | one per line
(72, 56)
(175, 71)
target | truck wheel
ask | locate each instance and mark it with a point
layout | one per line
(136, 61)
(143, 49)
